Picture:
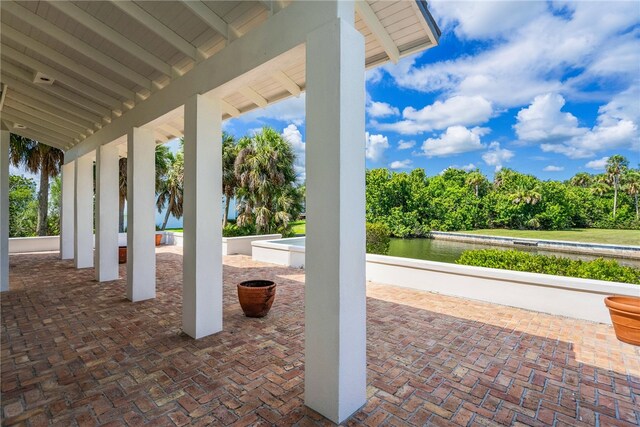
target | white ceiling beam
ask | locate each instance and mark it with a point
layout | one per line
(37, 104)
(291, 86)
(153, 24)
(209, 17)
(66, 62)
(9, 112)
(254, 96)
(76, 44)
(43, 115)
(54, 89)
(33, 92)
(171, 130)
(3, 97)
(37, 127)
(31, 134)
(371, 19)
(105, 31)
(229, 109)
(59, 76)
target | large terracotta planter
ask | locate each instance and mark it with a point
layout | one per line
(625, 316)
(256, 297)
(122, 254)
(158, 239)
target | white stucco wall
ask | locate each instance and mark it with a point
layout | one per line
(242, 245)
(34, 244)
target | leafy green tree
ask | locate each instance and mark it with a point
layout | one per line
(475, 179)
(632, 186)
(266, 192)
(616, 166)
(581, 179)
(229, 179)
(37, 158)
(23, 206)
(171, 188)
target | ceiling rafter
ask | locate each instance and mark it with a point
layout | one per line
(76, 44)
(379, 31)
(209, 17)
(60, 76)
(229, 109)
(54, 89)
(254, 96)
(112, 35)
(43, 132)
(153, 24)
(43, 115)
(66, 62)
(47, 140)
(291, 86)
(9, 112)
(52, 100)
(37, 104)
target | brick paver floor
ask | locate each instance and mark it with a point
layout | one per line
(75, 352)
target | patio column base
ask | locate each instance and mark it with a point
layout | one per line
(335, 291)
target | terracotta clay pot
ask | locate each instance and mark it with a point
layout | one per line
(256, 297)
(122, 254)
(158, 239)
(625, 316)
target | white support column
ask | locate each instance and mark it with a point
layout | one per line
(67, 208)
(202, 260)
(335, 289)
(4, 210)
(83, 212)
(141, 250)
(107, 187)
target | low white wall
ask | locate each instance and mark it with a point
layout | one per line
(34, 244)
(242, 245)
(564, 296)
(279, 253)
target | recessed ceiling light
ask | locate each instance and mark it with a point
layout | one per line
(41, 78)
(19, 126)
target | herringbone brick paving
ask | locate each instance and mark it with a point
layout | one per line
(75, 352)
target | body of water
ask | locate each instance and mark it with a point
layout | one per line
(448, 251)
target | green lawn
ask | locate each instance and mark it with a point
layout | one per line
(299, 227)
(589, 235)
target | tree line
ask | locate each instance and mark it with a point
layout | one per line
(412, 204)
(257, 171)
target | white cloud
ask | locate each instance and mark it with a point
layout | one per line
(455, 140)
(373, 75)
(543, 120)
(496, 156)
(552, 168)
(468, 167)
(290, 110)
(405, 145)
(376, 145)
(454, 111)
(401, 164)
(597, 164)
(537, 47)
(381, 109)
(293, 135)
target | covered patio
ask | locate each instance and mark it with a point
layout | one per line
(74, 351)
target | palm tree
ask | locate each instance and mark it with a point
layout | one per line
(526, 196)
(171, 188)
(265, 173)
(600, 187)
(162, 167)
(36, 157)
(616, 165)
(229, 180)
(632, 186)
(581, 179)
(475, 179)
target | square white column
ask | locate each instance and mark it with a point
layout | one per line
(5, 137)
(335, 289)
(67, 209)
(107, 188)
(202, 252)
(83, 212)
(141, 227)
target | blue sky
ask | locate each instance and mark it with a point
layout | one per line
(546, 88)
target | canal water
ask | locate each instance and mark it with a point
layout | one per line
(448, 251)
